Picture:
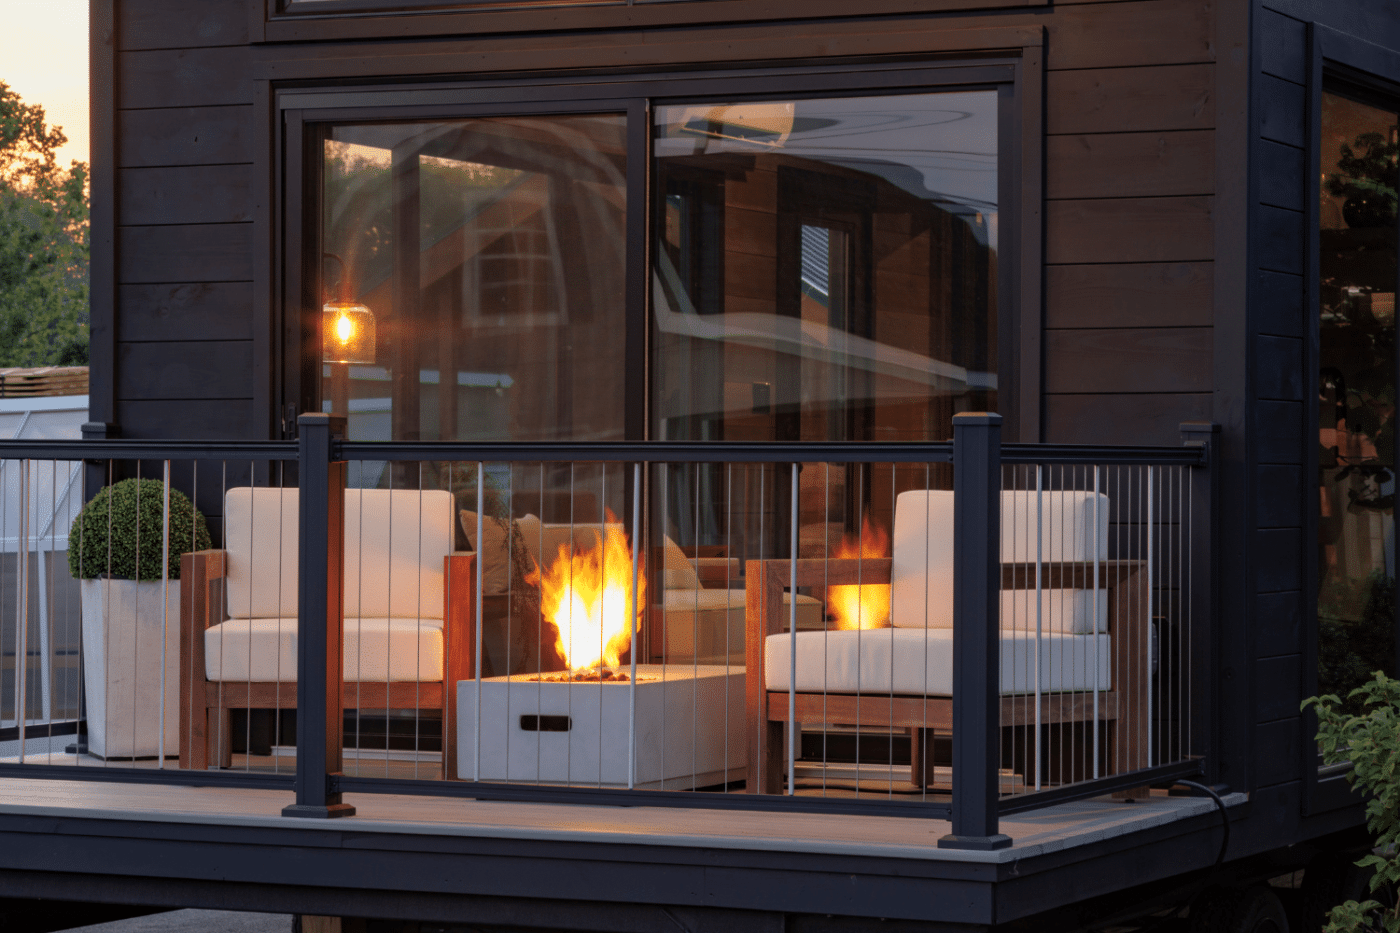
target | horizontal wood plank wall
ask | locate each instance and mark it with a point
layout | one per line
(185, 209)
(1279, 329)
(1129, 111)
(1130, 179)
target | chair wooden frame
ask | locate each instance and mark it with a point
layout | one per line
(1123, 706)
(205, 705)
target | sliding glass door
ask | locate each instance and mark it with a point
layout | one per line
(821, 268)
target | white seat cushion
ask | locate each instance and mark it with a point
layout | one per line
(708, 625)
(395, 542)
(376, 650)
(918, 662)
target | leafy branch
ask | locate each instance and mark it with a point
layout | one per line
(1368, 738)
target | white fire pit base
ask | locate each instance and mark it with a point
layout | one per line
(690, 729)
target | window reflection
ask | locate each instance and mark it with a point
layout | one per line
(490, 253)
(1356, 395)
(824, 270)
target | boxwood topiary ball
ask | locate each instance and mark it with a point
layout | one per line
(124, 512)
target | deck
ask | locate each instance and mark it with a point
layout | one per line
(579, 867)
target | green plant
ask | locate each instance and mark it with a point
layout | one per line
(1370, 740)
(1355, 633)
(106, 533)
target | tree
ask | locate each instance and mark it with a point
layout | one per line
(43, 242)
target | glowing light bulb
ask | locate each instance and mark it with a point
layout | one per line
(347, 333)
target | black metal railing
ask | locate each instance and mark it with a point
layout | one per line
(1165, 521)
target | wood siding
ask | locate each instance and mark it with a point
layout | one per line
(1129, 237)
(185, 209)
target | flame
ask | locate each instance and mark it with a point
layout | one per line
(865, 605)
(344, 328)
(586, 595)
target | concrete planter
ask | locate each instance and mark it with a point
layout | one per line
(122, 650)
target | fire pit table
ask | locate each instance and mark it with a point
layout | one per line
(689, 728)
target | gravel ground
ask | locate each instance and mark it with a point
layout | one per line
(196, 921)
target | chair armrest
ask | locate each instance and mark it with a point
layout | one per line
(766, 580)
(459, 614)
(201, 599)
(202, 576)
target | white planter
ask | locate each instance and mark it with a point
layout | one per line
(684, 738)
(122, 652)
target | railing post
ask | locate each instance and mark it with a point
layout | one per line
(1201, 512)
(976, 632)
(320, 618)
(95, 471)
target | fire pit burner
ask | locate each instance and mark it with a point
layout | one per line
(592, 675)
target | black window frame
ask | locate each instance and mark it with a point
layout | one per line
(304, 113)
(1342, 64)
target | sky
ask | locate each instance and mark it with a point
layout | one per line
(44, 59)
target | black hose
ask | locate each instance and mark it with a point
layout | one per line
(1224, 817)
(1204, 883)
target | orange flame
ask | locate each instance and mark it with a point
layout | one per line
(864, 605)
(586, 595)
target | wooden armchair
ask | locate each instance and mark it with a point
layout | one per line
(901, 677)
(409, 614)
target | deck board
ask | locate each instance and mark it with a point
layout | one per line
(1053, 829)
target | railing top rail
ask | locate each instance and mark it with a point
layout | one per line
(624, 452)
(781, 452)
(1103, 456)
(649, 452)
(94, 449)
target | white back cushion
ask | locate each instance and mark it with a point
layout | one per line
(1072, 526)
(395, 541)
(260, 534)
(544, 541)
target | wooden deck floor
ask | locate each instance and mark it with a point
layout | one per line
(574, 866)
(1053, 829)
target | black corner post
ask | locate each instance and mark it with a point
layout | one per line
(321, 617)
(976, 632)
(1202, 515)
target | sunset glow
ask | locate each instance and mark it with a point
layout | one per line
(44, 59)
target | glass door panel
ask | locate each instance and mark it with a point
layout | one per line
(823, 270)
(489, 255)
(1356, 395)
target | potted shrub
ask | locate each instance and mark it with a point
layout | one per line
(131, 613)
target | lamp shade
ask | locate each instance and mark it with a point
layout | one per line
(347, 332)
